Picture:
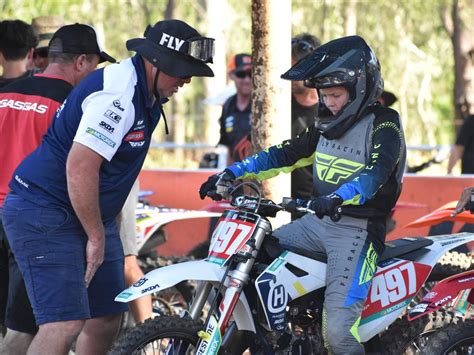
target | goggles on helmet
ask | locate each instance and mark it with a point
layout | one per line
(339, 78)
(201, 49)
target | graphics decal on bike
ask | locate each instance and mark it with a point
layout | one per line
(393, 287)
(233, 230)
(456, 288)
(277, 285)
(210, 339)
(274, 298)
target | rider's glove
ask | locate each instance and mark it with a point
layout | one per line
(293, 205)
(209, 187)
(325, 205)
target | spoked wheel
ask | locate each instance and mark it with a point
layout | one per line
(410, 337)
(161, 335)
(173, 300)
(453, 339)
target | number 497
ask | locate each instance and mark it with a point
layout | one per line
(392, 286)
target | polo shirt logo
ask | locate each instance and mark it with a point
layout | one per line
(166, 38)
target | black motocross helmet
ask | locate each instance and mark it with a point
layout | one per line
(347, 62)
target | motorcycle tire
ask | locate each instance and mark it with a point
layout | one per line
(150, 336)
(410, 337)
(452, 339)
(450, 264)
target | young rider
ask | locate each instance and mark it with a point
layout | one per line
(358, 152)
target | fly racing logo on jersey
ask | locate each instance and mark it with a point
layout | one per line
(101, 137)
(107, 127)
(137, 144)
(333, 170)
(111, 115)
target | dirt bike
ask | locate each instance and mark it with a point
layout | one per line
(150, 223)
(454, 262)
(275, 305)
(454, 294)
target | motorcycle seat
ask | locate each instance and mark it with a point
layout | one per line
(400, 248)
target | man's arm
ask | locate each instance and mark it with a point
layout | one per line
(82, 170)
(465, 201)
(285, 157)
(456, 153)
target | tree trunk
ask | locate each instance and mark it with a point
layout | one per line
(350, 17)
(462, 47)
(216, 29)
(271, 108)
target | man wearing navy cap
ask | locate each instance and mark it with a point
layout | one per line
(27, 107)
(74, 185)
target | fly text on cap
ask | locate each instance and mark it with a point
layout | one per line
(166, 38)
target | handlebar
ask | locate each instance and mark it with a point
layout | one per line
(257, 204)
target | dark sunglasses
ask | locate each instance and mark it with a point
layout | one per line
(243, 74)
(302, 45)
(41, 52)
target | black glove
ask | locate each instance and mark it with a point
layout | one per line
(209, 187)
(325, 205)
(293, 205)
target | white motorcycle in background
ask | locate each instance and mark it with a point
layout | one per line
(268, 298)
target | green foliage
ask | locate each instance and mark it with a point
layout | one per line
(408, 36)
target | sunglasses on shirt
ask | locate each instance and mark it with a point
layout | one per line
(243, 74)
(302, 45)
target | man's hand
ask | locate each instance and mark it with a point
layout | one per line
(210, 186)
(465, 202)
(325, 205)
(94, 257)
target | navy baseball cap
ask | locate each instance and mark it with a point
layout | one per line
(78, 39)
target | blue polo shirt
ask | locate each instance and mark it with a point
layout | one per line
(111, 113)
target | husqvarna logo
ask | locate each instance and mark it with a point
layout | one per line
(333, 170)
(278, 299)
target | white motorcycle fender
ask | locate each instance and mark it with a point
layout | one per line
(200, 270)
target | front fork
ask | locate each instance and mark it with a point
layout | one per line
(234, 279)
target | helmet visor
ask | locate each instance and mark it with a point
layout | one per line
(342, 77)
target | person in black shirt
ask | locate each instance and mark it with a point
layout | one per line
(464, 148)
(235, 118)
(17, 43)
(304, 108)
